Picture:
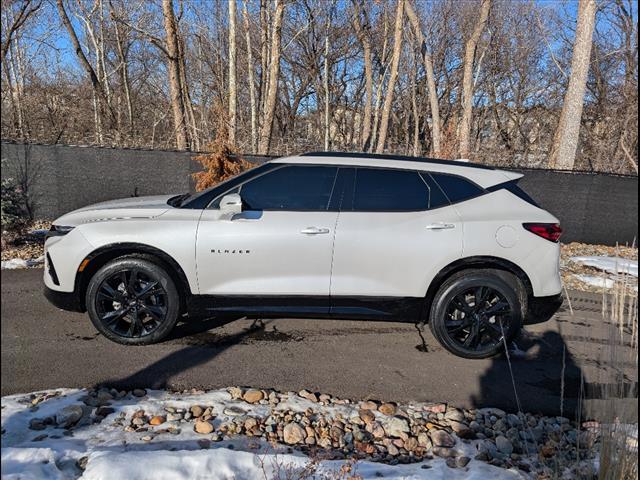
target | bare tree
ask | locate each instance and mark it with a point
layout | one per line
(464, 130)
(274, 74)
(233, 88)
(362, 28)
(25, 9)
(565, 142)
(393, 76)
(431, 79)
(250, 78)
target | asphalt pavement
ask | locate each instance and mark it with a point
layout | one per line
(43, 348)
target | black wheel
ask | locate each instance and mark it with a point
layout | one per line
(133, 301)
(476, 312)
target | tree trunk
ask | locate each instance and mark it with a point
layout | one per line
(98, 90)
(464, 130)
(175, 84)
(233, 89)
(363, 35)
(252, 86)
(274, 74)
(327, 113)
(393, 76)
(431, 79)
(565, 141)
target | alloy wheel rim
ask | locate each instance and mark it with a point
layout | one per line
(477, 319)
(131, 303)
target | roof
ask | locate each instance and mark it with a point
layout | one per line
(481, 174)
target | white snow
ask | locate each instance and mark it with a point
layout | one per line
(16, 263)
(610, 264)
(600, 282)
(113, 453)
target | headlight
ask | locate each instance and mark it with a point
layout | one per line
(58, 230)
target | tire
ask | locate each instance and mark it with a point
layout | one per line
(133, 301)
(475, 311)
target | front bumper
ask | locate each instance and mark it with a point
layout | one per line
(64, 300)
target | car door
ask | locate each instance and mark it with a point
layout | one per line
(281, 243)
(396, 230)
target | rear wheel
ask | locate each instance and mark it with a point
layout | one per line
(133, 301)
(476, 312)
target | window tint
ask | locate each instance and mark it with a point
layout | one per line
(514, 188)
(389, 190)
(456, 188)
(437, 198)
(343, 190)
(290, 188)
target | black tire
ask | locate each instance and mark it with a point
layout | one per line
(133, 301)
(475, 311)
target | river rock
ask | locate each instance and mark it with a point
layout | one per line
(203, 427)
(395, 426)
(253, 396)
(388, 409)
(504, 445)
(441, 438)
(293, 433)
(69, 415)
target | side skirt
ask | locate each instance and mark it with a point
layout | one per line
(391, 309)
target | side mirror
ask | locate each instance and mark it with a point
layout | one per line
(231, 203)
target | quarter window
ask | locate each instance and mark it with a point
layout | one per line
(456, 188)
(290, 188)
(389, 190)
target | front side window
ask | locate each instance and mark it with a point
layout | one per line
(389, 191)
(290, 188)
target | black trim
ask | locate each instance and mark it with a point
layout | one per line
(64, 300)
(399, 309)
(541, 309)
(404, 158)
(52, 271)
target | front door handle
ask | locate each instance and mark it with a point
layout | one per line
(314, 231)
(441, 226)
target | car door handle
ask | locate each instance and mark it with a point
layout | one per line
(440, 226)
(314, 231)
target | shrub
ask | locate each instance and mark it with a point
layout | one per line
(220, 162)
(14, 214)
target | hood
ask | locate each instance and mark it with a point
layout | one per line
(125, 208)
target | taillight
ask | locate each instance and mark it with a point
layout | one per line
(550, 231)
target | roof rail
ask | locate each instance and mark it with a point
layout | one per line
(404, 158)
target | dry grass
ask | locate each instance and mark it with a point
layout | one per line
(618, 415)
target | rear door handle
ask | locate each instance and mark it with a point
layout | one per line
(314, 231)
(441, 226)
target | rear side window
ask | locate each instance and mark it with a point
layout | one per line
(457, 188)
(379, 190)
(514, 188)
(290, 188)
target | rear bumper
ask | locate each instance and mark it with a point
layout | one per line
(64, 300)
(541, 309)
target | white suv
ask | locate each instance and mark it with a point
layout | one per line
(352, 236)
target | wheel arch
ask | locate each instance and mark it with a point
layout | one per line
(104, 254)
(475, 262)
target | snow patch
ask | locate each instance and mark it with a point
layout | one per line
(16, 263)
(600, 282)
(610, 264)
(112, 452)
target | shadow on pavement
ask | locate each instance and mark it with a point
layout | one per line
(158, 374)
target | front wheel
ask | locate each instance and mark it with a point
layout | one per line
(476, 312)
(133, 301)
